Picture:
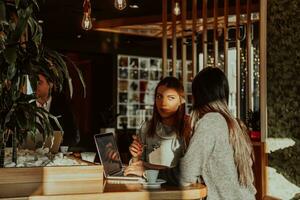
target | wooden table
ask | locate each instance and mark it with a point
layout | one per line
(126, 191)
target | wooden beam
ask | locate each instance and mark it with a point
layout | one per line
(194, 32)
(238, 60)
(249, 75)
(151, 19)
(263, 70)
(183, 47)
(126, 21)
(204, 32)
(226, 37)
(174, 41)
(215, 42)
(164, 38)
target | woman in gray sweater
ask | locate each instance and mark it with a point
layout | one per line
(220, 151)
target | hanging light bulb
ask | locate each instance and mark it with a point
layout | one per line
(120, 4)
(176, 9)
(86, 22)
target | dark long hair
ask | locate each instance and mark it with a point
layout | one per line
(210, 91)
(173, 83)
(210, 85)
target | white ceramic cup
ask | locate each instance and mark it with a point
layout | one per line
(64, 149)
(151, 175)
(88, 156)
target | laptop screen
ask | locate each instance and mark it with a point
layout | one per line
(108, 153)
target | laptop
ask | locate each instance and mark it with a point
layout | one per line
(110, 158)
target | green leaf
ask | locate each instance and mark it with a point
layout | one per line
(2, 11)
(10, 55)
(36, 31)
(1, 90)
(9, 114)
(11, 72)
(17, 2)
(43, 121)
(79, 75)
(21, 24)
(35, 4)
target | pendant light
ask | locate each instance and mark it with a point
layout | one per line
(176, 9)
(120, 4)
(86, 22)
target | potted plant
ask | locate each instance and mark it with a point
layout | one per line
(22, 56)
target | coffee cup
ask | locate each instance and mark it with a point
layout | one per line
(151, 175)
(64, 149)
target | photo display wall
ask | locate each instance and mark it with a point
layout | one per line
(137, 79)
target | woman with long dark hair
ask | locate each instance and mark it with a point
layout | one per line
(166, 134)
(220, 151)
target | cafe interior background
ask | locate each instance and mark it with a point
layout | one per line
(123, 51)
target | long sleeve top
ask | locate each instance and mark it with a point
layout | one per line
(164, 148)
(210, 156)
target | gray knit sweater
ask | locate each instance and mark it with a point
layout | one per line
(210, 156)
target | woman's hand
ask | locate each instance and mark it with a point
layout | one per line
(136, 148)
(136, 168)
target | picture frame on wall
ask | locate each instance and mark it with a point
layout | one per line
(123, 61)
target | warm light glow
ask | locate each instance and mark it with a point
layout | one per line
(120, 4)
(86, 22)
(176, 10)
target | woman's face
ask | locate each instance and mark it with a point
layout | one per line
(167, 101)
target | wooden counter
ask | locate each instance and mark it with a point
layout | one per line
(123, 191)
(24, 182)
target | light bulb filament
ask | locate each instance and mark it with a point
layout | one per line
(176, 9)
(120, 4)
(86, 22)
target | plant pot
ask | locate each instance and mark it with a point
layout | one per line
(255, 135)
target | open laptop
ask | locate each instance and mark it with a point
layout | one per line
(110, 158)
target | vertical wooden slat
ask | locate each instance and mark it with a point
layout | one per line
(215, 42)
(263, 84)
(226, 37)
(164, 38)
(204, 33)
(238, 59)
(183, 46)
(249, 87)
(174, 41)
(194, 31)
(263, 68)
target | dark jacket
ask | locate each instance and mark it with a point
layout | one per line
(60, 107)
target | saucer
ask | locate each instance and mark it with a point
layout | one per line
(68, 153)
(155, 185)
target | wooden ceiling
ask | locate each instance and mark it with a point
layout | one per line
(155, 29)
(151, 26)
(63, 18)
